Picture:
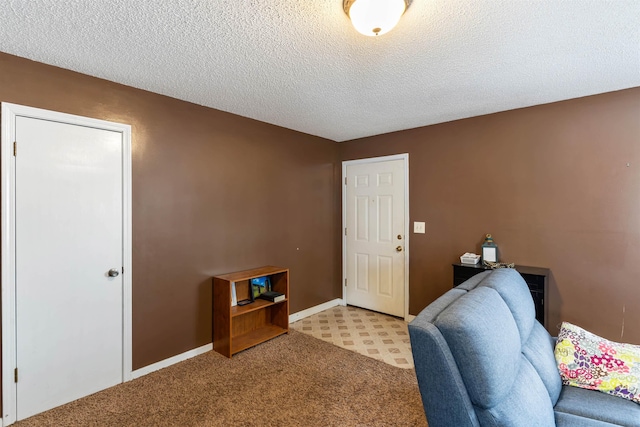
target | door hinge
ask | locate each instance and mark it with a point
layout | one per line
(345, 282)
(15, 148)
(15, 375)
(345, 180)
(345, 231)
(123, 270)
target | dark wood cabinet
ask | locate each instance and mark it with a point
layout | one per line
(535, 277)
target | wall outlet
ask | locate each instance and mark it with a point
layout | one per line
(418, 227)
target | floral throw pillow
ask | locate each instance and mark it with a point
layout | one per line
(586, 360)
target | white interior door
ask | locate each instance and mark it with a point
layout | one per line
(375, 240)
(68, 235)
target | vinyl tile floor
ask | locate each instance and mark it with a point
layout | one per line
(372, 334)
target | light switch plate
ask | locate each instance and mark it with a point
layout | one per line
(418, 227)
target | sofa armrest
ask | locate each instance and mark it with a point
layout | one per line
(437, 370)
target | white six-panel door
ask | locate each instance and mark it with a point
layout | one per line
(375, 241)
(69, 234)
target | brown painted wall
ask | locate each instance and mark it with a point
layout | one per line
(557, 185)
(212, 193)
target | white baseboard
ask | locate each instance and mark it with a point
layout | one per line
(314, 310)
(409, 318)
(208, 347)
(171, 361)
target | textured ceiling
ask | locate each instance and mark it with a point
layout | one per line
(301, 65)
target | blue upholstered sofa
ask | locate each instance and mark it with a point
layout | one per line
(482, 359)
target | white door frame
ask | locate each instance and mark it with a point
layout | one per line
(405, 158)
(8, 206)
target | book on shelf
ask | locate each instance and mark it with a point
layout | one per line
(234, 298)
(272, 296)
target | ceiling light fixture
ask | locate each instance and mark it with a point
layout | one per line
(375, 17)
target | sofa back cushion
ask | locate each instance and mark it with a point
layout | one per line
(537, 344)
(515, 294)
(485, 344)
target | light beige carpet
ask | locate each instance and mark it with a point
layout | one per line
(293, 380)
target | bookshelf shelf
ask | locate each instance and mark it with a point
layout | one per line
(256, 305)
(236, 328)
(244, 341)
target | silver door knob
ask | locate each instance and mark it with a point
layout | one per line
(399, 249)
(113, 272)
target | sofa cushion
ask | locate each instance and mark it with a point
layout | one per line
(526, 404)
(432, 311)
(570, 420)
(588, 361)
(515, 293)
(473, 281)
(537, 344)
(539, 352)
(597, 406)
(485, 344)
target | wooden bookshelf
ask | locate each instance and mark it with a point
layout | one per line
(240, 327)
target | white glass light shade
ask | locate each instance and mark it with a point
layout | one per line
(376, 17)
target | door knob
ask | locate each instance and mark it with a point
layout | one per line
(113, 272)
(399, 249)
